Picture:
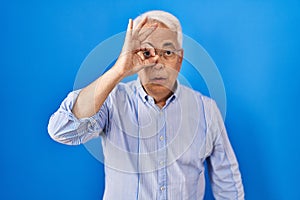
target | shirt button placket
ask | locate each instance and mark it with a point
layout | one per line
(162, 156)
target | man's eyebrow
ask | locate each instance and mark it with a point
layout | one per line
(168, 44)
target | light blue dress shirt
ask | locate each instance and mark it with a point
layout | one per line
(152, 153)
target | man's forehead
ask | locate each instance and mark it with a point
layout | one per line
(162, 44)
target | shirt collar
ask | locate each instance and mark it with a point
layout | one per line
(145, 97)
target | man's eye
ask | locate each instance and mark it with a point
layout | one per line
(146, 54)
(168, 53)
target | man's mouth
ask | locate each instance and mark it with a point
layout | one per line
(158, 80)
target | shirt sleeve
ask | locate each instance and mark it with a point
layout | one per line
(223, 167)
(65, 128)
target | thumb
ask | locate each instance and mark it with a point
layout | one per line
(151, 60)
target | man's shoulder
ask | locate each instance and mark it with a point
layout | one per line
(209, 105)
(124, 91)
(126, 87)
(187, 91)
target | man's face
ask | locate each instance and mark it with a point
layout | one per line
(160, 78)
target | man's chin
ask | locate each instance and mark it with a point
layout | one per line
(158, 88)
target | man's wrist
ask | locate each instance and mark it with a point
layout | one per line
(118, 71)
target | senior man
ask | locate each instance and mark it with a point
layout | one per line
(156, 133)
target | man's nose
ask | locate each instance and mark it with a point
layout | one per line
(158, 66)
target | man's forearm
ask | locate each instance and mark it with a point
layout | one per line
(92, 97)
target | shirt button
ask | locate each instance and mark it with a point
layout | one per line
(162, 188)
(161, 138)
(161, 163)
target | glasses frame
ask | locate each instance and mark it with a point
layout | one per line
(161, 53)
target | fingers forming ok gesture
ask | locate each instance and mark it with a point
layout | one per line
(132, 59)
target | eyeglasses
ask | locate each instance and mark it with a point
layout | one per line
(165, 54)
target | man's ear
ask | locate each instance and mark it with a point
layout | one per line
(180, 55)
(180, 59)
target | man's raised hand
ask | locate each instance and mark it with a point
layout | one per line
(132, 59)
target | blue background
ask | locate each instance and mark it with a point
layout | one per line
(255, 45)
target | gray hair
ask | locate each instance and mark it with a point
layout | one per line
(164, 17)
